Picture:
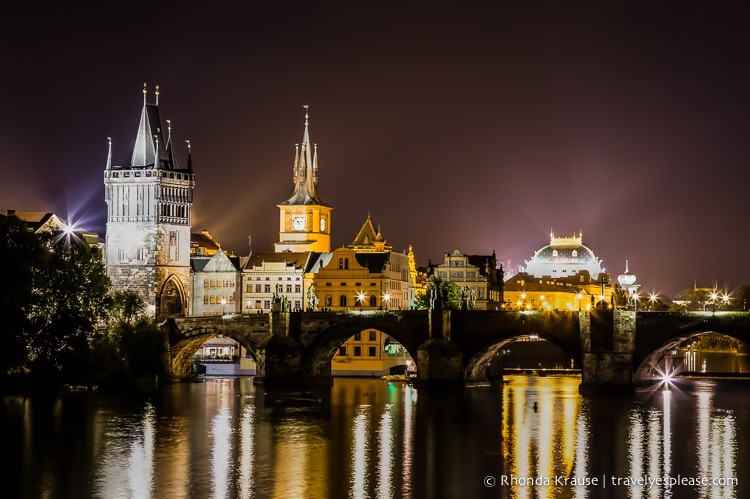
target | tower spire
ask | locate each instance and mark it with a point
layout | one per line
(157, 95)
(109, 154)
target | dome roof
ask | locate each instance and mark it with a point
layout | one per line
(564, 257)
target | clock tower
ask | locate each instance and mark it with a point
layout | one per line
(304, 218)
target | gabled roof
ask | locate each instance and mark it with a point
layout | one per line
(219, 262)
(39, 221)
(369, 239)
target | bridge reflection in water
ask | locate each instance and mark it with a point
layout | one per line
(227, 437)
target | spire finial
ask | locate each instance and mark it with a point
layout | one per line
(307, 109)
(626, 265)
(187, 142)
(145, 91)
(157, 95)
(109, 154)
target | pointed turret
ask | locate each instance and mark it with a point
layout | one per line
(149, 132)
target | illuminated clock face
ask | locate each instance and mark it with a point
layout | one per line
(298, 223)
(322, 225)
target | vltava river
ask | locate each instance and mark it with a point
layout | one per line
(530, 437)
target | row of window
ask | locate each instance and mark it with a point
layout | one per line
(296, 305)
(266, 288)
(372, 284)
(268, 278)
(218, 300)
(218, 283)
(357, 351)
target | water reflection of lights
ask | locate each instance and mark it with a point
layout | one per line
(141, 465)
(221, 451)
(650, 451)
(247, 448)
(360, 430)
(716, 446)
(543, 434)
(580, 469)
(407, 463)
(385, 463)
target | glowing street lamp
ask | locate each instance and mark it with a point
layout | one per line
(360, 298)
(652, 298)
(223, 306)
(386, 299)
(579, 297)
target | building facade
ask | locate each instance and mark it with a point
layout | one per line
(479, 282)
(149, 201)
(562, 275)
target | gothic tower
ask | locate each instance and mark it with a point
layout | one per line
(148, 218)
(304, 218)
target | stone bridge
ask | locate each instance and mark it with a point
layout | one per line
(614, 349)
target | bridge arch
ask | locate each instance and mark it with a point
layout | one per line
(181, 355)
(320, 352)
(651, 366)
(477, 366)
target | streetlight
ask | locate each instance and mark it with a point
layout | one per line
(579, 296)
(223, 306)
(360, 298)
(386, 299)
(652, 298)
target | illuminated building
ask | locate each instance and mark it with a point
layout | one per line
(476, 276)
(304, 218)
(563, 275)
(214, 284)
(147, 248)
(266, 275)
(367, 276)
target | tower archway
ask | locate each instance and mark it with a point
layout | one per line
(171, 299)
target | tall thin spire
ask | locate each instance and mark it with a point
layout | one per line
(109, 154)
(190, 157)
(305, 169)
(157, 95)
(144, 93)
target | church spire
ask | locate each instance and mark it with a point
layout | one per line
(305, 170)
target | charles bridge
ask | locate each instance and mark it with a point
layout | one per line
(615, 349)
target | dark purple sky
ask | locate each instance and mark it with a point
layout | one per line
(473, 125)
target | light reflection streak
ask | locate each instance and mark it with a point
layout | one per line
(667, 439)
(221, 435)
(247, 450)
(704, 421)
(387, 446)
(360, 430)
(582, 454)
(545, 447)
(407, 464)
(141, 463)
(522, 444)
(654, 451)
(635, 453)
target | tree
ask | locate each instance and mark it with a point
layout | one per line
(23, 256)
(438, 294)
(55, 296)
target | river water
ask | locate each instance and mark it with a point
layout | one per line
(529, 437)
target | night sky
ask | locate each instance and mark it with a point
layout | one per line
(471, 125)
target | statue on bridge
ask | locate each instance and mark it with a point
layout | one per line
(312, 299)
(468, 298)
